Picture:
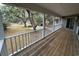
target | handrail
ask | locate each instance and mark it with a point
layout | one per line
(28, 32)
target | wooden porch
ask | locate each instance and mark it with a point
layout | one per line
(63, 42)
(60, 41)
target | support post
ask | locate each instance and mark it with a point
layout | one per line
(1, 33)
(53, 28)
(43, 26)
(64, 22)
(61, 21)
(75, 25)
(2, 44)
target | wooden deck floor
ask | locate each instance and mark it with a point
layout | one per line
(63, 42)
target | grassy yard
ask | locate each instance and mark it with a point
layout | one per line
(16, 28)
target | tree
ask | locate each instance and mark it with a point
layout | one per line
(14, 14)
(5, 23)
(49, 19)
(31, 18)
(38, 18)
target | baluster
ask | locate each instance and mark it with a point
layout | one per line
(23, 40)
(19, 42)
(15, 43)
(26, 39)
(6, 47)
(11, 45)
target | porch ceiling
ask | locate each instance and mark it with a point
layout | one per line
(63, 9)
(57, 9)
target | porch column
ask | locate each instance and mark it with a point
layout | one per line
(53, 28)
(3, 48)
(61, 21)
(1, 34)
(75, 24)
(64, 22)
(43, 26)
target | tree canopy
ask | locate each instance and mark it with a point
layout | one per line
(15, 14)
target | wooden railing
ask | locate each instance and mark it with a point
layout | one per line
(16, 43)
(20, 41)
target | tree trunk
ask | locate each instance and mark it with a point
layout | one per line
(34, 28)
(31, 20)
(24, 24)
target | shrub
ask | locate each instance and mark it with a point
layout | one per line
(5, 25)
(29, 26)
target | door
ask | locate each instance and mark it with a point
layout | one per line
(71, 24)
(68, 22)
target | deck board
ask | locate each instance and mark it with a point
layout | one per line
(64, 44)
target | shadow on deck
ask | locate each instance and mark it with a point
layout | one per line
(63, 42)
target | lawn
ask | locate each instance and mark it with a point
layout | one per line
(16, 28)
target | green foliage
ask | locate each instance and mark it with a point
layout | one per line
(7, 13)
(13, 14)
(5, 25)
(38, 18)
(49, 19)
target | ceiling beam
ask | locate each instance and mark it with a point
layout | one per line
(71, 16)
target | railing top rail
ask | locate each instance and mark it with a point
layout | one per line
(22, 33)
